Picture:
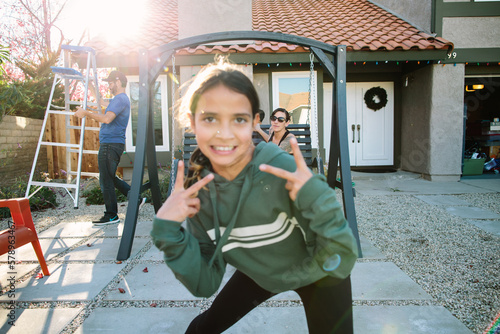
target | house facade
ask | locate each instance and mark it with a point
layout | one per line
(397, 49)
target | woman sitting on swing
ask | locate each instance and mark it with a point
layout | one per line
(280, 118)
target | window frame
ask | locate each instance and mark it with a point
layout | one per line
(165, 123)
(276, 76)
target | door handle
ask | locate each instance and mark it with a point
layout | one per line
(353, 127)
(359, 133)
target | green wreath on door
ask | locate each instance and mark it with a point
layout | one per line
(370, 101)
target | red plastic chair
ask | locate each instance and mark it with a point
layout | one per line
(24, 229)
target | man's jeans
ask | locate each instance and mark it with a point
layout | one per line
(108, 160)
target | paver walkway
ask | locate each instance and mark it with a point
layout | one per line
(141, 295)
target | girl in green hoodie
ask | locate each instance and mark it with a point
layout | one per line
(258, 209)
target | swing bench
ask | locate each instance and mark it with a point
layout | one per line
(152, 63)
(301, 131)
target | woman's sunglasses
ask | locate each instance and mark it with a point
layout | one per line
(279, 119)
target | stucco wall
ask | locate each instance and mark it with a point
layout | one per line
(198, 17)
(417, 12)
(18, 141)
(432, 122)
(415, 116)
(446, 123)
(472, 32)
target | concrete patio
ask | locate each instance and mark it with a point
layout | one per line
(88, 291)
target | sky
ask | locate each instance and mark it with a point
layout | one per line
(294, 85)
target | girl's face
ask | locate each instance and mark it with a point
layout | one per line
(223, 124)
(277, 125)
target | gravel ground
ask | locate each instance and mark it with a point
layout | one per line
(453, 260)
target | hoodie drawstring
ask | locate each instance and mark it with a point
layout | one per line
(221, 241)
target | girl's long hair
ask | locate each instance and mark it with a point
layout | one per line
(219, 73)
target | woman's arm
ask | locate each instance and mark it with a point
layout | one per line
(263, 133)
(286, 144)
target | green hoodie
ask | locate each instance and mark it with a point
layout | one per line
(252, 224)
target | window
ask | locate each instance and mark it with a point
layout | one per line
(160, 114)
(291, 91)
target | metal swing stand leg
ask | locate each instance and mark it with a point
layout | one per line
(145, 147)
(145, 140)
(339, 149)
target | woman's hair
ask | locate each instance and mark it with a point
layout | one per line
(219, 73)
(283, 110)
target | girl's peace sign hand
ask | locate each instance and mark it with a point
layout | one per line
(295, 180)
(182, 203)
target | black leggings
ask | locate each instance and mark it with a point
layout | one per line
(327, 303)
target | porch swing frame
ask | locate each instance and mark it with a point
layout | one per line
(151, 64)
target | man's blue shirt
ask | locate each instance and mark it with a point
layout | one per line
(114, 132)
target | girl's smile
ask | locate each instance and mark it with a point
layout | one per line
(223, 124)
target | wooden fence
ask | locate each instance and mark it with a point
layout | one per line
(56, 131)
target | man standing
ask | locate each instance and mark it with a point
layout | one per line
(112, 144)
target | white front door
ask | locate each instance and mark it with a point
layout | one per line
(371, 133)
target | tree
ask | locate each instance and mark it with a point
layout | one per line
(29, 29)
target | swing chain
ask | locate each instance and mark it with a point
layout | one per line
(312, 105)
(173, 108)
(311, 83)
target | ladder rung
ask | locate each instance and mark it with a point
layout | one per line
(84, 151)
(79, 103)
(48, 143)
(66, 71)
(90, 128)
(70, 77)
(84, 174)
(78, 48)
(59, 112)
(53, 184)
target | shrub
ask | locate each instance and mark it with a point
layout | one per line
(43, 199)
(93, 194)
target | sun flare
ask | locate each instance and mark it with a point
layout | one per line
(112, 20)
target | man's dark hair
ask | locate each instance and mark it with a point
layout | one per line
(262, 114)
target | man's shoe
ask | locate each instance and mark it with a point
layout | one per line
(143, 201)
(106, 220)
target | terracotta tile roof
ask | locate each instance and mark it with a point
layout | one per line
(358, 24)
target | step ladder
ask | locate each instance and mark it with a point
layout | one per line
(67, 76)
